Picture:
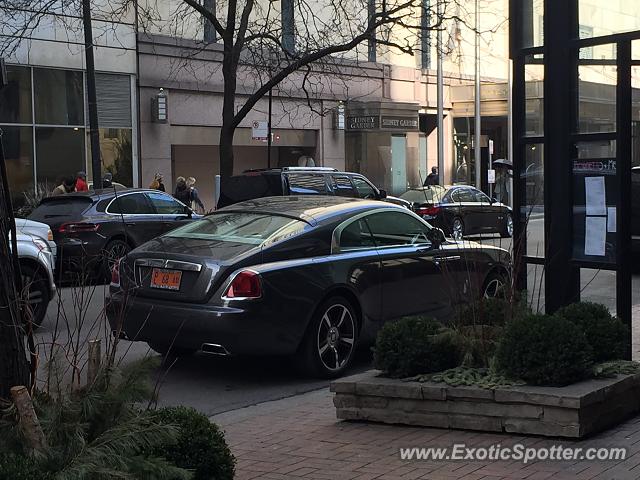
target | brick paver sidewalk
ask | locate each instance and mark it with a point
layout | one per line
(299, 437)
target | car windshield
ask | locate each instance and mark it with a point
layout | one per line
(240, 227)
(431, 194)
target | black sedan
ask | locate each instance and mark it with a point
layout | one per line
(91, 229)
(311, 276)
(461, 210)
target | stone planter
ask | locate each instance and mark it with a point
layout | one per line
(573, 411)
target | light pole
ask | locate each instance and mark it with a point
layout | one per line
(94, 133)
(477, 149)
(440, 93)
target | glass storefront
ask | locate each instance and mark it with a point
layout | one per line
(44, 124)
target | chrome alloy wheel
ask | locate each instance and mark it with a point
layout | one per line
(336, 337)
(510, 225)
(494, 288)
(458, 229)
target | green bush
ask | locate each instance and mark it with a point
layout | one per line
(544, 350)
(415, 345)
(20, 467)
(490, 311)
(200, 447)
(607, 335)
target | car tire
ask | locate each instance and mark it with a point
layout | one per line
(114, 250)
(507, 228)
(329, 344)
(35, 281)
(494, 286)
(169, 350)
(457, 228)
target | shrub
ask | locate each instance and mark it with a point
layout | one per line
(20, 467)
(200, 446)
(488, 311)
(607, 335)
(544, 350)
(415, 345)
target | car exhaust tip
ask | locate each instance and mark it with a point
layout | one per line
(214, 349)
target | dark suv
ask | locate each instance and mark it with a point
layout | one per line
(277, 182)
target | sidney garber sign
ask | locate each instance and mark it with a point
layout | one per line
(382, 122)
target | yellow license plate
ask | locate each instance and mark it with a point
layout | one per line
(166, 279)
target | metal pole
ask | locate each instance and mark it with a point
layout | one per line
(269, 140)
(440, 94)
(94, 133)
(477, 151)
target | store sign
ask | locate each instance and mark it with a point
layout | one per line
(363, 122)
(259, 130)
(399, 123)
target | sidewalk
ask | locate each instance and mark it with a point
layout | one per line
(299, 437)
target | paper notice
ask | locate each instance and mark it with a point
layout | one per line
(596, 200)
(595, 236)
(611, 219)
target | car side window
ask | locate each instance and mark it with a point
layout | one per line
(307, 184)
(466, 195)
(365, 190)
(132, 204)
(356, 235)
(165, 204)
(481, 196)
(396, 228)
(342, 186)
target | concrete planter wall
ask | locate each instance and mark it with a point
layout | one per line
(573, 411)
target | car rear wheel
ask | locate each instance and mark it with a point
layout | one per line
(495, 286)
(330, 341)
(35, 284)
(114, 251)
(169, 350)
(507, 228)
(457, 228)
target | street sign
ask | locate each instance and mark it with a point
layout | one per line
(259, 130)
(491, 176)
(490, 147)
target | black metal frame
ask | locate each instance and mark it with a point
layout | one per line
(561, 102)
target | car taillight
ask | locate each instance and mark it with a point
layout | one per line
(78, 227)
(115, 274)
(430, 211)
(245, 284)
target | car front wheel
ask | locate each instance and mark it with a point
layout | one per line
(35, 284)
(114, 251)
(457, 228)
(330, 341)
(507, 229)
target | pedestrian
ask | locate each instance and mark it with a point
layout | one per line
(107, 180)
(196, 203)
(182, 191)
(432, 178)
(157, 182)
(68, 185)
(81, 182)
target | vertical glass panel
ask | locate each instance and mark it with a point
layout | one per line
(535, 287)
(534, 98)
(463, 172)
(15, 98)
(598, 18)
(18, 151)
(58, 97)
(598, 286)
(597, 89)
(635, 50)
(117, 155)
(532, 211)
(60, 153)
(532, 22)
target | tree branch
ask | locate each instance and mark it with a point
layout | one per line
(211, 16)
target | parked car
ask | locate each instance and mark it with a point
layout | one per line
(116, 185)
(36, 253)
(300, 181)
(92, 229)
(461, 210)
(311, 276)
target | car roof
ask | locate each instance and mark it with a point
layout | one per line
(96, 195)
(311, 209)
(293, 170)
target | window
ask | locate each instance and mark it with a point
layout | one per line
(356, 235)
(18, 152)
(397, 228)
(480, 196)
(463, 195)
(209, 29)
(58, 97)
(15, 97)
(59, 152)
(425, 35)
(166, 204)
(133, 204)
(288, 32)
(307, 184)
(371, 43)
(586, 32)
(365, 190)
(342, 187)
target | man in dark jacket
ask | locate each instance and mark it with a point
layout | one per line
(432, 178)
(182, 191)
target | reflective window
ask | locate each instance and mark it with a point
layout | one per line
(117, 154)
(396, 228)
(342, 186)
(356, 235)
(166, 204)
(133, 204)
(364, 189)
(60, 153)
(18, 152)
(58, 97)
(307, 184)
(15, 97)
(466, 195)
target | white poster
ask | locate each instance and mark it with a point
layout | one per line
(491, 176)
(259, 130)
(611, 219)
(596, 200)
(595, 236)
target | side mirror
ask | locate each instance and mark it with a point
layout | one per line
(436, 237)
(383, 194)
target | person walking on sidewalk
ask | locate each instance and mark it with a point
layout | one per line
(81, 182)
(196, 204)
(182, 191)
(68, 185)
(432, 178)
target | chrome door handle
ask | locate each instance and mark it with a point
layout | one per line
(449, 258)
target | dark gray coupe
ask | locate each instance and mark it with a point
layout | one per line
(310, 276)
